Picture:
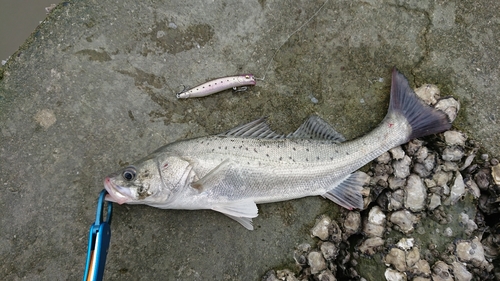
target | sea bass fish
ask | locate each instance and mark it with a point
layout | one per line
(250, 164)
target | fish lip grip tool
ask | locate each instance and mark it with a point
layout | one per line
(99, 238)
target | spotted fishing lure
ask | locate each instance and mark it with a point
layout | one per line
(217, 85)
(238, 81)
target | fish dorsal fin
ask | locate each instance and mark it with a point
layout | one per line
(255, 129)
(316, 128)
(313, 128)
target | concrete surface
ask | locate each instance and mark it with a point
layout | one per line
(94, 90)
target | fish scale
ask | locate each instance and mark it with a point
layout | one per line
(251, 164)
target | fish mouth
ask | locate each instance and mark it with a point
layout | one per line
(116, 193)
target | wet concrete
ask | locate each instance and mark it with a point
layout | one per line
(93, 89)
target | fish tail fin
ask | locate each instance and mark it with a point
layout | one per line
(423, 119)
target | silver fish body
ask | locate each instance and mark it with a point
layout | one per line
(251, 164)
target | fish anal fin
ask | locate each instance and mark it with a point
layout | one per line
(347, 192)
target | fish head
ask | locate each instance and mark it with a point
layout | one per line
(151, 181)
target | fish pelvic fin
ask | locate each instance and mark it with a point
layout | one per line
(245, 222)
(423, 119)
(347, 192)
(241, 211)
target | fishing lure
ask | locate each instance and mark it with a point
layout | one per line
(224, 83)
(217, 85)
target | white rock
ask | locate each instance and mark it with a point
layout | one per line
(430, 183)
(455, 138)
(457, 190)
(452, 153)
(352, 223)
(420, 170)
(421, 154)
(329, 250)
(404, 219)
(397, 153)
(468, 161)
(460, 272)
(412, 256)
(450, 106)
(375, 225)
(449, 166)
(429, 93)
(395, 183)
(473, 188)
(441, 272)
(441, 177)
(376, 216)
(394, 275)
(396, 257)
(270, 276)
(402, 167)
(286, 275)
(413, 146)
(495, 173)
(396, 200)
(384, 158)
(472, 252)
(370, 246)
(446, 189)
(326, 275)
(434, 202)
(405, 243)
(320, 229)
(316, 262)
(430, 162)
(421, 267)
(416, 194)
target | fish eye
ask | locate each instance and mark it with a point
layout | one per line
(129, 174)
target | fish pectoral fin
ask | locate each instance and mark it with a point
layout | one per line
(213, 178)
(347, 192)
(241, 211)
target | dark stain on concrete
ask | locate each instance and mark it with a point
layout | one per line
(142, 78)
(94, 55)
(176, 40)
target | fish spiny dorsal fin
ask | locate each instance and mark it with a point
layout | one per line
(316, 128)
(255, 129)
